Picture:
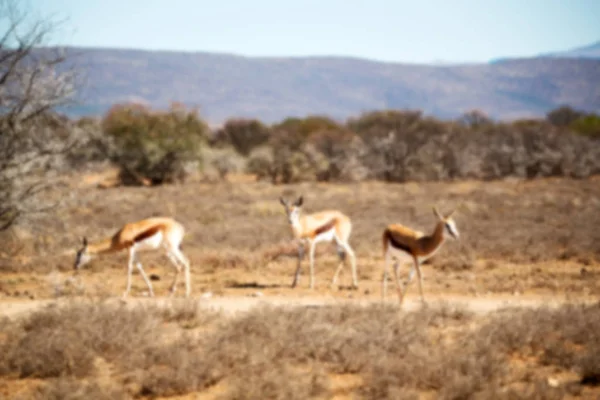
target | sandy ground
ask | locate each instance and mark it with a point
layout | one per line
(237, 304)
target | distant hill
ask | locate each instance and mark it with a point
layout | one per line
(226, 86)
(590, 51)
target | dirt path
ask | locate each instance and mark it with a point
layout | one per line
(236, 304)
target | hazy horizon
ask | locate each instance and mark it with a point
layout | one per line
(432, 32)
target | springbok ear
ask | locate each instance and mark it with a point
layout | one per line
(283, 202)
(85, 241)
(437, 213)
(450, 214)
(299, 202)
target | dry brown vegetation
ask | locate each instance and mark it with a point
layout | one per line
(527, 237)
(155, 146)
(375, 352)
(517, 236)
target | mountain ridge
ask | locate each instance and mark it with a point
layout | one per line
(591, 50)
(273, 88)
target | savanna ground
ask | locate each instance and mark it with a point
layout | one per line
(532, 243)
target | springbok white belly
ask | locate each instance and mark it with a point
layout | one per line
(398, 254)
(326, 236)
(151, 242)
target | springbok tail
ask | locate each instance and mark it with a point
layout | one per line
(385, 241)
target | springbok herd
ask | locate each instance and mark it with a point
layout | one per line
(400, 244)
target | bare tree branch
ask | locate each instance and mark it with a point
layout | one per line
(33, 82)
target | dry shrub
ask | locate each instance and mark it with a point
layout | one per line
(538, 390)
(187, 313)
(278, 380)
(287, 352)
(261, 164)
(176, 368)
(563, 337)
(456, 370)
(65, 340)
(220, 162)
(341, 151)
(404, 145)
(313, 148)
(348, 338)
(278, 350)
(330, 335)
(474, 365)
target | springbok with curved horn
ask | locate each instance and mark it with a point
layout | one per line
(329, 225)
(147, 234)
(403, 244)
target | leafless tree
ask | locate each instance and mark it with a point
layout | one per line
(475, 118)
(34, 80)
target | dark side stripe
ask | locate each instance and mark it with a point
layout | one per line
(325, 228)
(395, 244)
(147, 233)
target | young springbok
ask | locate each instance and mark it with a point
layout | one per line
(147, 234)
(407, 245)
(329, 225)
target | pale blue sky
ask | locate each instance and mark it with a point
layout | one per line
(403, 31)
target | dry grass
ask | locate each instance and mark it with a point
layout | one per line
(55, 342)
(526, 237)
(235, 230)
(292, 352)
(564, 337)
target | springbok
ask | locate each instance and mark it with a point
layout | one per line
(148, 234)
(329, 225)
(404, 244)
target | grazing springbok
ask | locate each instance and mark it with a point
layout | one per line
(407, 245)
(148, 234)
(329, 225)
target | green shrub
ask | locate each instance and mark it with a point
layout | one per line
(563, 116)
(588, 125)
(260, 163)
(154, 146)
(305, 127)
(243, 134)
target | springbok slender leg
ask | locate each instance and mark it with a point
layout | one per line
(384, 276)
(129, 270)
(175, 262)
(143, 273)
(299, 266)
(418, 267)
(311, 256)
(350, 252)
(411, 274)
(342, 255)
(399, 287)
(186, 267)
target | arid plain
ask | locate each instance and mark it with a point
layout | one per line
(531, 246)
